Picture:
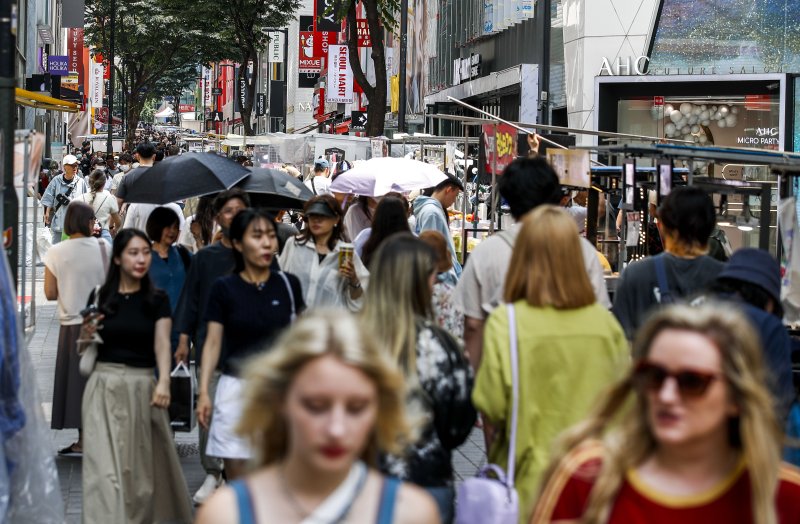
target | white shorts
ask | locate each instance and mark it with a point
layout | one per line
(223, 441)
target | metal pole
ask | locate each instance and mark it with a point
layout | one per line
(401, 111)
(494, 184)
(111, 75)
(466, 199)
(9, 205)
(544, 69)
(285, 78)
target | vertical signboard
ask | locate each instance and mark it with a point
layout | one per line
(506, 146)
(241, 90)
(96, 84)
(261, 104)
(207, 101)
(276, 44)
(325, 12)
(340, 77)
(75, 54)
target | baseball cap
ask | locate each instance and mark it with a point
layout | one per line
(321, 163)
(70, 160)
(755, 266)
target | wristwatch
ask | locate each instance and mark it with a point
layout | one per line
(357, 286)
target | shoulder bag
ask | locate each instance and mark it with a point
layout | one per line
(484, 498)
(89, 352)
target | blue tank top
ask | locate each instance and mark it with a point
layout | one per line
(244, 501)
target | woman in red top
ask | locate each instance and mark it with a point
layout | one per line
(694, 437)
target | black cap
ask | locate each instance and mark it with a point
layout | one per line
(755, 266)
(455, 180)
(320, 208)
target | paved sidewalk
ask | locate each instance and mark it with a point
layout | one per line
(42, 348)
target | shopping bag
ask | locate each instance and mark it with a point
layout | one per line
(44, 241)
(181, 406)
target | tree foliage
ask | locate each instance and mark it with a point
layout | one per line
(154, 40)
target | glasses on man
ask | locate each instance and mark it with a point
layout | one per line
(692, 383)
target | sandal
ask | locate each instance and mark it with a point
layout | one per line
(73, 450)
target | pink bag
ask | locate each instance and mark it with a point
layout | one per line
(486, 498)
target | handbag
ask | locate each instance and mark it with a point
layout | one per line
(486, 498)
(182, 386)
(89, 353)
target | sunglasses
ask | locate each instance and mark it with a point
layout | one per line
(692, 384)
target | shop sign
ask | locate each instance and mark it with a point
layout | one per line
(760, 136)
(339, 88)
(364, 39)
(625, 66)
(186, 108)
(323, 40)
(216, 116)
(466, 68)
(307, 107)
(638, 66)
(506, 141)
(216, 91)
(207, 86)
(58, 65)
(309, 63)
(261, 104)
(276, 44)
(358, 121)
(96, 84)
(325, 12)
(75, 55)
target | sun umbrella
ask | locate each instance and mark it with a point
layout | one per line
(275, 189)
(379, 176)
(185, 176)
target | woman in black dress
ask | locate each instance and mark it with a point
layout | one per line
(131, 471)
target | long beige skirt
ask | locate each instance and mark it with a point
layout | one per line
(131, 471)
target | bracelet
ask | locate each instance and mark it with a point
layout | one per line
(357, 286)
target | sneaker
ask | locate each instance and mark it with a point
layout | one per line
(71, 451)
(210, 484)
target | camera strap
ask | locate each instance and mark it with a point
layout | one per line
(67, 194)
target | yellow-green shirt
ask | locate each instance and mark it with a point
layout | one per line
(567, 359)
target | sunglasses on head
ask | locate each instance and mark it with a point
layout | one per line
(650, 377)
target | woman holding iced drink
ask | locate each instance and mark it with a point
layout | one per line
(330, 273)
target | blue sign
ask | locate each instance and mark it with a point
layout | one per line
(58, 65)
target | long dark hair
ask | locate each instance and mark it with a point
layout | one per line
(109, 292)
(239, 226)
(391, 216)
(305, 235)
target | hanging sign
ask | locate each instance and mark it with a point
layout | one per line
(364, 38)
(58, 65)
(261, 104)
(506, 139)
(309, 63)
(96, 84)
(323, 40)
(276, 45)
(75, 55)
(340, 77)
(325, 12)
(358, 121)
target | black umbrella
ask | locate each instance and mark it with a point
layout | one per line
(185, 176)
(275, 189)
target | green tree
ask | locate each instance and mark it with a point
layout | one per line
(154, 40)
(380, 14)
(240, 26)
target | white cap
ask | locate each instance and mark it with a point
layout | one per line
(69, 160)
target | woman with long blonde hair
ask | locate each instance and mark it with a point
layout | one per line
(397, 309)
(318, 410)
(570, 349)
(689, 435)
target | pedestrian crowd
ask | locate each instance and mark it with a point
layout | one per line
(339, 365)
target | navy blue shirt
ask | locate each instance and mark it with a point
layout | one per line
(252, 316)
(169, 274)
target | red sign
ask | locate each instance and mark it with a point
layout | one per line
(75, 54)
(102, 114)
(506, 146)
(323, 39)
(309, 62)
(758, 102)
(186, 108)
(658, 101)
(364, 38)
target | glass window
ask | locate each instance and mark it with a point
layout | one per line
(732, 36)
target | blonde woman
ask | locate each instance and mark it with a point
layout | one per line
(318, 409)
(397, 309)
(694, 436)
(570, 348)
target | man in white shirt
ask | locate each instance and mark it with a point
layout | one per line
(59, 193)
(526, 184)
(319, 183)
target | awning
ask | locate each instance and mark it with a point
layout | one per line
(41, 101)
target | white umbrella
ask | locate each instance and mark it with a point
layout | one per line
(379, 176)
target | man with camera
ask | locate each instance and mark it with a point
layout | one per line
(59, 193)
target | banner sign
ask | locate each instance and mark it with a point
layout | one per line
(207, 101)
(364, 38)
(276, 45)
(261, 104)
(75, 54)
(96, 84)
(58, 65)
(322, 40)
(309, 63)
(325, 12)
(506, 140)
(340, 77)
(186, 108)
(241, 90)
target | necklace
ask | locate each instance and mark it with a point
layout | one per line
(303, 512)
(296, 506)
(259, 284)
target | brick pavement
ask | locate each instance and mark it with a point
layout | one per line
(42, 348)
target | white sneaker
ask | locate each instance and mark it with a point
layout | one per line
(210, 484)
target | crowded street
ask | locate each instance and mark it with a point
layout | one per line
(399, 262)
